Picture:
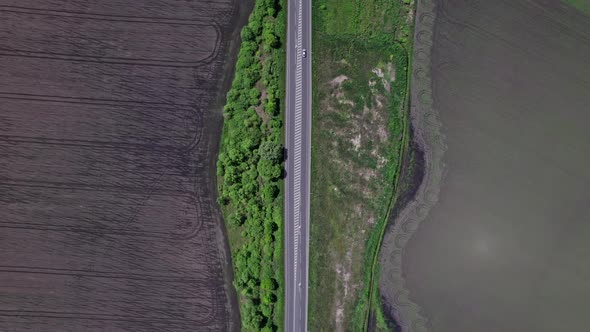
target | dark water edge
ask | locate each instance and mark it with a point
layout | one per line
(413, 172)
(423, 173)
(242, 11)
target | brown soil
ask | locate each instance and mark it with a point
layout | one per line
(109, 126)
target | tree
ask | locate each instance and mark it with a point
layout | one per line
(271, 107)
(247, 144)
(220, 164)
(247, 34)
(250, 162)
(250, 188)
(272, 151)
(222, 199)
(270, 40)
(254, 96)
(276, 123)
(252, 319)
(256, 26)
(248, 48)
(252, 122)
(244, 61)
(269, 170)
(269, 193)
(231, 175)
(236, 219)
(232, 95)
(266, 305)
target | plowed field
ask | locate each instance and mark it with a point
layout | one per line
(109, 121)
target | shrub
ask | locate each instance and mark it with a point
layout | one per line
(272, 151)
(251, 162)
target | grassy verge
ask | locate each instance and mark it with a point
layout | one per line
(367, 300)
(372, 305)
(250, 167)
(581, 5)
(373, 301)
(360, 89)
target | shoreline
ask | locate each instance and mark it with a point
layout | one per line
(426, 141)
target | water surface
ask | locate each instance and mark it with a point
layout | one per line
(506, 245)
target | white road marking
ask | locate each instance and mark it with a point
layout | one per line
(297, 161)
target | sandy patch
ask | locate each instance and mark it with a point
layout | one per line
(338, 80)
(356, 142)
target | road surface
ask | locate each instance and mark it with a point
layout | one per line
(298, 144)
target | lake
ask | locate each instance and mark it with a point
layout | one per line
(497, 236)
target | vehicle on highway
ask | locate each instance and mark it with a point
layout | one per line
(304, 53)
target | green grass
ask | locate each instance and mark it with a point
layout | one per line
(369, 300)
(581, 5)
(353, 38)
(279, 245)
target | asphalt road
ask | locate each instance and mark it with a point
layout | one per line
(298, 144)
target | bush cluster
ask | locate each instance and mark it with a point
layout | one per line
(250, 166)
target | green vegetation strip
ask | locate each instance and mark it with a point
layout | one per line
(250, 167)
(378, 234)
(581, 5)
(367, 302)
(352, 39)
